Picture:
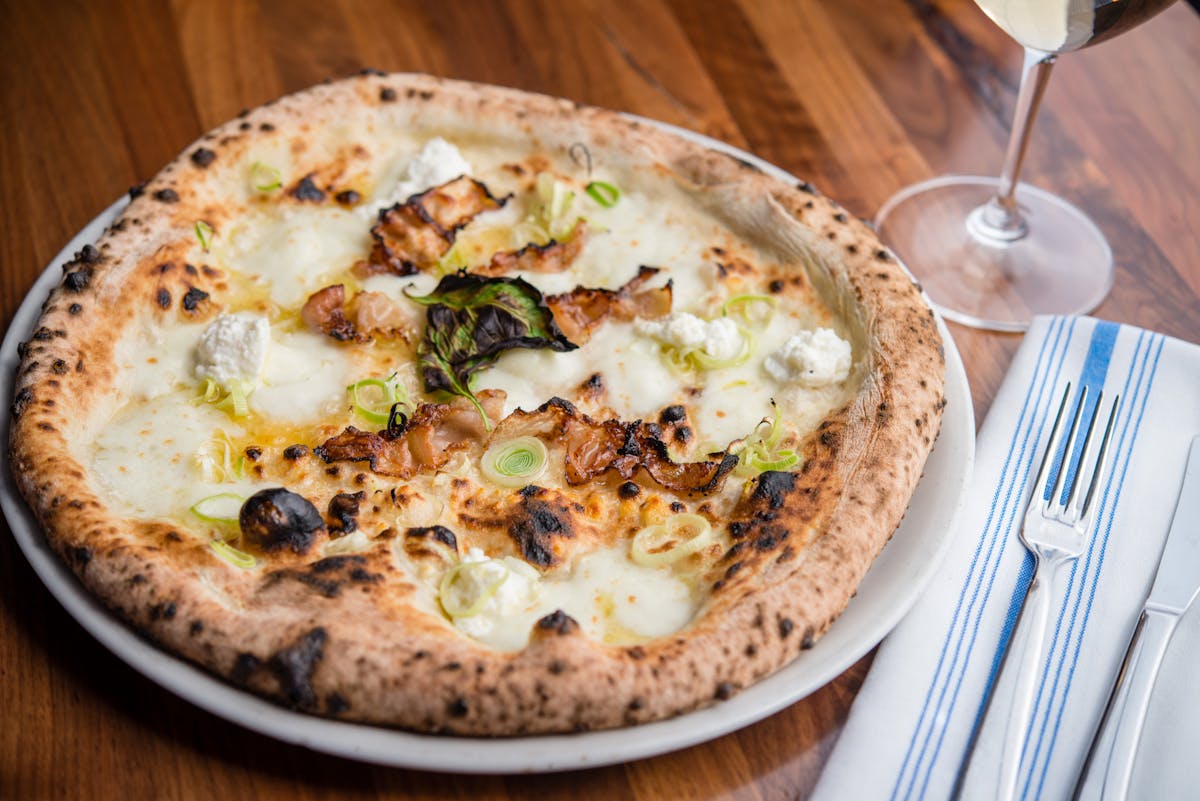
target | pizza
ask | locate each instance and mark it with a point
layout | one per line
(455, 408)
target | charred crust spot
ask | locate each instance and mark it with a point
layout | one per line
(683, 434)
(190, 269)
(294, 452)
(193, 298)
(776, 286)
(829, 439)
(343, 511)
(244, 666)
(534, 527)
(335, 704)
(733, 569)
(628, 490)
(883, 255)
(80, 555)
(59, 367)
(558, 622)
(77, 280)
(196, 627)
(165, 611)
(347, 197)
(137, 190)
(636, 652)
(457, 708)
(202, 157)
(770, 537)
(677, 507)
(293, 667)
(307, 190)
(253, 453)
(439, 533)
(785, 627)
(773, 487)
(724, 691)
(805, 186)
(164, 299)
(672, 414)
(810, 639)
(90, 254)
(167, 195)
(331, 564)
(267, 127)
(22, 401)
(452, 666)
(530, 491)
(751, 649)
(387, 94)
(840, 217)
(74, 309)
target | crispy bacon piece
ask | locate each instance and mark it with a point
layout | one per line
(412, 236)
(424, 442)
(374, 313)
(582, 310)
(593, 447)
(325, 312)
(552, 257)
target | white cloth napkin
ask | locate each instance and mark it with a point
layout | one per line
(908, 729)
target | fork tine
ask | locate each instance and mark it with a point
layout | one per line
(1059, 494)
(1085, 454)
(1102, 458)
(1051, 449)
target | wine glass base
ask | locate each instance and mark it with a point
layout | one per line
(1062, 265)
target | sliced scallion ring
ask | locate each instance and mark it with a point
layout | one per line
(603, 193)
(220, 508)
(664, 543)
(515, 463)
(756, 310)
(477, 573)
(759, 452)
(689, 359)
(390, 393)
(265, 178)
(205, 233)
(232, 555)
(235, 403)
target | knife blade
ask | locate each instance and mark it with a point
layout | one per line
(1176, 585)
(1178, 580)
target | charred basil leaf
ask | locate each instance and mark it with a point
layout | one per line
(470, 320)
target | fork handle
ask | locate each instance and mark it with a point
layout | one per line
(1034, 619)
(1125, 713)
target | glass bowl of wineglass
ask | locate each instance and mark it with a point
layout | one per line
(993, 252)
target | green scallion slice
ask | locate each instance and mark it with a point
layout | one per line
(220, 508)
(756, 310)
(232, 555)
(451, 598)
(265, 178)
(665, 543)
(515, 463)
(205, 233)
(603, 193)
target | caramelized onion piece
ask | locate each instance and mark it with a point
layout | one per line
(593, 447)
(426, 441)
(580, 311)
(413, 235)
(552, 257)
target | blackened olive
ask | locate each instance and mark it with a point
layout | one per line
(277, 518)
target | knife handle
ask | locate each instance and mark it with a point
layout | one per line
(1125, 713)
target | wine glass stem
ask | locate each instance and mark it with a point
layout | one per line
(999, 218)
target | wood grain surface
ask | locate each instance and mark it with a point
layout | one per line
(861, 97)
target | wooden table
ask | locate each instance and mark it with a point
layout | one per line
(859, 96)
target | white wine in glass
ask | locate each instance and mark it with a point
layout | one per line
(991, 252)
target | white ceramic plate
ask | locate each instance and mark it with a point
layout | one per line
(888, 592)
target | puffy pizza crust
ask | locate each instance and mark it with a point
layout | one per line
(335, 637)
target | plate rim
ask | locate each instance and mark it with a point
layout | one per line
(836, 651)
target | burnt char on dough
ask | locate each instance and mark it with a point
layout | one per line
(333, 636)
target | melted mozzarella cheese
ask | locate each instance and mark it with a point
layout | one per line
(304, 379)
(146, 456)
(612, 599)
(296, 251)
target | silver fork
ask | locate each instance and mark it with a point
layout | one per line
(1055, 531)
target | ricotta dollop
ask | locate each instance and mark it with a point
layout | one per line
(811, 359)
(436, 163)
(719, 338)
(233, 347)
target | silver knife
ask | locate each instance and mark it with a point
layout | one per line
(1175, 588)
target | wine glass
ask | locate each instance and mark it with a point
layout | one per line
(992, 252)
